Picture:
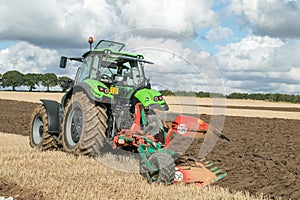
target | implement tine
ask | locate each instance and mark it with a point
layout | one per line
(213, 169)
(219, 177)
(209, 165)
(218, 171)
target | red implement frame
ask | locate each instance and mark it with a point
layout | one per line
(200, 174)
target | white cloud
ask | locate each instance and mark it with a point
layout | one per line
(176, 65)
(57, 25)
(276, 18)
(219, 33)
(27, 58)
(252, 53)
(67, 23)
(260, 64)
(180, 16)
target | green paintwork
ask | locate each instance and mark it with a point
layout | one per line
(219, 178)
(217, 172)
(209, 165)
(143, 116)
(94, 88)
(143, 152)
(125, 138)
(146, 151)
(113, 52)
(146, 97)
(213, 169)
(128, 90)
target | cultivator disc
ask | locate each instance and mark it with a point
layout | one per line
(199, 173)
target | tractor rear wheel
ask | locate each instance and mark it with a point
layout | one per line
(39, 136)
(84, 126)
(166, 169)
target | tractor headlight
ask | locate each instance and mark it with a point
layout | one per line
(158, 98)
(102, 89)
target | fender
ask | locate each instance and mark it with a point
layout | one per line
(151, 98)
(52, 109)
(83, 86)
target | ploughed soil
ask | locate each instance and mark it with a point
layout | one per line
(263, 155)
(15, 116)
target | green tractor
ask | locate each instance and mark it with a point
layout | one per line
(112, 104)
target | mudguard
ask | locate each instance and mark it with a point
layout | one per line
(52, 109)
(90, 88)
(151, 98)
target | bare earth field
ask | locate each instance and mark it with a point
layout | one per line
(262, 156)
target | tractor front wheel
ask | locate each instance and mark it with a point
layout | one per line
(165, 166)
(39, 136)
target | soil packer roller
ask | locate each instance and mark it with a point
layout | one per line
(112, 104)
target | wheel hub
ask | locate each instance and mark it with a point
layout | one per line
(76, 126)
(41, 130)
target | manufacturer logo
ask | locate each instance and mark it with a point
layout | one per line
(182, 129)
(178, 176)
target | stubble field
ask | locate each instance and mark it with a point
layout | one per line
(262, 157)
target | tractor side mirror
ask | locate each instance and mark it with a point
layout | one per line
(63, 62)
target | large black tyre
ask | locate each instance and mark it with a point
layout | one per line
(84, 126)
(39, 136)
(166, 169)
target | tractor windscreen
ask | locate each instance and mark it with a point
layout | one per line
(113, 69)
(113, 46)
(122, 71)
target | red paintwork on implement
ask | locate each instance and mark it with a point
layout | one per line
(199, 174)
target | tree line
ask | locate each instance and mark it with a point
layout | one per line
(15, 79)
(273, 97)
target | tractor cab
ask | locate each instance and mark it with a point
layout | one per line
(109, 76)
(122, 73)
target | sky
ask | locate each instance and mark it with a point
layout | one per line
(219, 46)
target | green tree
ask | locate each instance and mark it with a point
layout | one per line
(12, 79)
(167, 92)
(202, 94)
(65, 82)
(0, 79)
(49, 80)
(32, 80)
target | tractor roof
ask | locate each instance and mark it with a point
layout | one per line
(114, 48)
(113, 52)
